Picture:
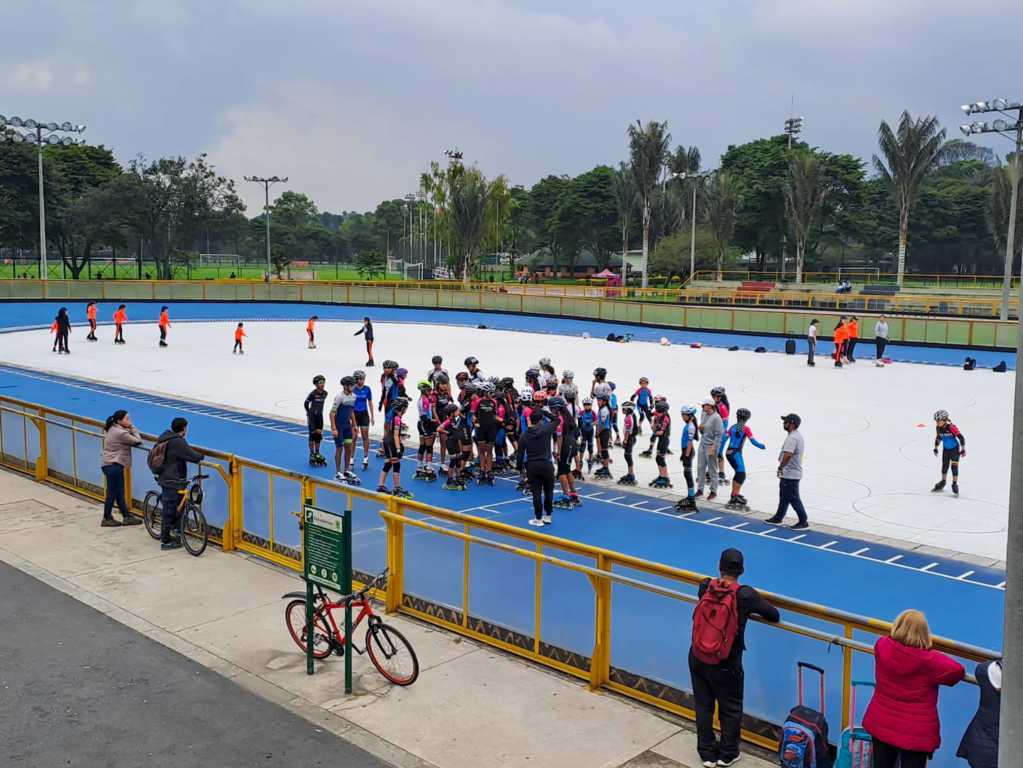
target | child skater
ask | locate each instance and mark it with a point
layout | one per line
(239, 334)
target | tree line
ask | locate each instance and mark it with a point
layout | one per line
(924, 205)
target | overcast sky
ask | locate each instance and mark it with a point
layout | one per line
(352, 99)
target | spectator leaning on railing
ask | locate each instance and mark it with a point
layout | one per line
(119, 437)
(979, 746)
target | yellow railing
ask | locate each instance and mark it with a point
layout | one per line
(522, 591)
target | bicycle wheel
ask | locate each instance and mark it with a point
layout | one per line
(392, 654)
(194, 534)
(294, 617)
(151, 514)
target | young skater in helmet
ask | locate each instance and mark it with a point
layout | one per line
(657, 399)
(629, 426)
(564, 451)
(953, 448)
(604, 434)
(342, 427)
(426, 405)
(722, 405)
(687, 451)
(735, 438)
(394, 449)
(643, 397)
(363, 413)
(661, 428)
(455, 433)
(586, 421)
(314, 419)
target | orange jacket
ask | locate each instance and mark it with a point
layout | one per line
(120, 316)
(239, 333)
(53, 328)
(841, 334)
(90, 312)
(165, 319)
(854, 330)
(310, 325)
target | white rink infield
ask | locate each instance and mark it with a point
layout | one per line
(869, 431)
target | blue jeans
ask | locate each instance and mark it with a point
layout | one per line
(788, 493)
(114, 474)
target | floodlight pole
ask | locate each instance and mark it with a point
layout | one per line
(267, 183)
(1010, 238)
(43, 271)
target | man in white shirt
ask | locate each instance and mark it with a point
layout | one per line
(880, 339)
(790, 472)
(811, 342)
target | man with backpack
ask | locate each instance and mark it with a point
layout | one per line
(167, 460)
(715, 657)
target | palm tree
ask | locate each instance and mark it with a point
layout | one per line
(722, 200)
(469, 196)
(910, 153)
(805, 193)
(625, 198)
(648, 147)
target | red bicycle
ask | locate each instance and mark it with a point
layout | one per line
(388, 649)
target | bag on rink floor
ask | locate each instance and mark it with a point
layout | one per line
(804, 737)
(970, 364)
(1000, 368)
(790, 346)
(856, 747)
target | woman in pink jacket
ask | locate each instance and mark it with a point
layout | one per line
(902, 716)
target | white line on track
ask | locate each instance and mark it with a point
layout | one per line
(711, 520)
(797, 538)
(737, 526)
(860, 551)
(769, 531)
(661, 509)
(964, 575)
(616, 498)
(829, 544)
(898, 557)
(929, 566)
(1001, 585)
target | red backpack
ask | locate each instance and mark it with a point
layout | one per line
(716, 622)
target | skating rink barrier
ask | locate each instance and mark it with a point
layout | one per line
(614, 621)
(654, 307)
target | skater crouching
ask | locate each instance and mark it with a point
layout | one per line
(630, 424)
(711, 431)
(737, 435)
(314, 420)
(687, 449)
(953, 448)
(662, 431)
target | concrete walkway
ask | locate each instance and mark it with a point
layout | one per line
(471, 706)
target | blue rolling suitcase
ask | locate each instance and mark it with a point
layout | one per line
(856, 748)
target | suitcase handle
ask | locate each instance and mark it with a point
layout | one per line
(800, 665)
(852, 699)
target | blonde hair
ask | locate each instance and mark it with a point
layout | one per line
(910, 628)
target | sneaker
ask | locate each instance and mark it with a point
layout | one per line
(131, 520)
(546, 519)
(955, 488)
(726, 763)
(339, 476)
(165, 545)
(535, 522)
(711, 496)
(800, 527)
(710, 764)
(109, 522)
(774, 520)
(383, 489)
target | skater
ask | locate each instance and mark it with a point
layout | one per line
(661, 428)
(567, 388)
(613, 402)
(853, 334)
(599, 383)
(310, 330)
(506, 428)
(548, 376)
(811, 342)
(587, 422)
(239, 334)
(389, 389)
(953, 448)
(441, 400)
(393, 451)
(737, 435)
(653, 438)
(363, 413)
(566, 447)
(533, 379)
(687, 449)
(367, 332)
(314, 419)
(790, 472)
(488, 414)
(629, 427)
(643, 397)
(603, 435)
(437, 370)
(533, 458)
(711, 431)
(454, 432)
(164, 324)
(427, 426)
(472, 366)
(880, 340)
(723, 408)
(90, 315)
(62, 328)
(120, 318)
(839, 335)
(342, 427)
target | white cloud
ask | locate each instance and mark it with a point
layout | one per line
(46, 74)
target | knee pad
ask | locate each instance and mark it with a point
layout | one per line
(660, 460)
(740, 477)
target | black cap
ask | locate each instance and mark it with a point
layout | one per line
(731, 562)
(793, 417)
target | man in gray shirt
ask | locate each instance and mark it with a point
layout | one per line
(790, 472)
(711, 431)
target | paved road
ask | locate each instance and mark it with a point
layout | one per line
(78, 689)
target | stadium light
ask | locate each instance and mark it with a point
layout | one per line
(41, 133)
(697, 177)
(267, 182)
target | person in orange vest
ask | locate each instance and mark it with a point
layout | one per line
(90, 315)
(239, 334)
(310, 329)
(840, 335)
(120, 318)
(854, 334)
(55, 330)
(164, 325)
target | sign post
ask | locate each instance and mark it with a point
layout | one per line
(327, 562)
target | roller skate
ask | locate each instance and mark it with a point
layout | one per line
(317, 460)
(577, 474)
(563, 502)
(522, 486)
(660, 482)
(602, 474)
(576, 501)
(365, 463)
(350, 478)
(589, 464)
(955, 488)
(721, 478)
(383, 489)
(629, 479)
(647, 453)
(401, 493)
(686, 504)
(938, 486)
(425, 473)
(737, 503)
(454, 485)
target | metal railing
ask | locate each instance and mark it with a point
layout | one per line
(869, 276)
(602, 616)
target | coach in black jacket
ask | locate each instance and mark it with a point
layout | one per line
(534, 457)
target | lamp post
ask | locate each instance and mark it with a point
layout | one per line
(696, 177)
(410, 202)
(41, 133)
(267, 182)
(793, 127)
(1004, 128)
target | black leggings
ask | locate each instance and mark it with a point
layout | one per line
(886, 756)
(603, 441)
(950, 458)
(687, 470)
(540, 476)
(628, 444)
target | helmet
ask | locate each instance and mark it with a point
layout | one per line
(359, 375)
(540, 397)
(487, 388)
(532, 373)
(662, 406)
(644, 380)
(545, 361)
(526, 394)
(941, 415)
(743, 414)
(557, 401)
(707, 401)
(470, 360)
(659, 398)
(437, 360)
(628, 406)
(318, 379)
(346, 399)
(440, 378)
(600, 372)
(587, 401)
(347, 381)
(688, 410)
(400, 404)
(401, 373)
(566, 374)
(717, 391)
(507, 382)
(470, 388)
(390, 364)
(451, 409)
(461, 376)
(424, 385)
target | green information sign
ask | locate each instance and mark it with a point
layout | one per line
(323, 545)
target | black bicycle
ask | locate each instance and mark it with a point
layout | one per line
(192, 529)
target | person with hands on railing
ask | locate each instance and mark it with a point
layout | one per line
(533, 458)
(119, 437)
(173, 474)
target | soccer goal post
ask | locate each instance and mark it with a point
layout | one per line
(394, 266)
(413, 271)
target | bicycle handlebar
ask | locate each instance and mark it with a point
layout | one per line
(376, 582)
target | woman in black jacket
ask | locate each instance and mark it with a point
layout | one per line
(979, 746)
(63, 323)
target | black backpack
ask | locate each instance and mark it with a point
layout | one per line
(1000, 368)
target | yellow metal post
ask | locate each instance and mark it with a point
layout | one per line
(465, 577)
(233, 527)
(847, 653)
(42, 461)
(395, 558)
(600, 661)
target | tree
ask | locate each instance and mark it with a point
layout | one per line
(469, 196)
(760, 170)
(370, 263)
(648, 147)
(722, 200)
(625, 200)
(805, 193)
(910, 153)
